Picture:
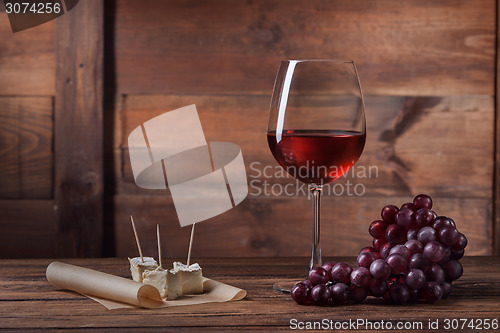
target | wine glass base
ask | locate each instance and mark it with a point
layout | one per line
(284, 287)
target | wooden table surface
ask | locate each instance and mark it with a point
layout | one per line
(29, 303)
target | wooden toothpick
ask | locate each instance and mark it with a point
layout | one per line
(190, 244)
(159, 244)
(136, 238)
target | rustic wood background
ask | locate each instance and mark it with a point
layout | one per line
(72, 90)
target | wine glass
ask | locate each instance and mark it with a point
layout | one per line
(316, 129)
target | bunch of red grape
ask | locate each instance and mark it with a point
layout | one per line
(415, 255)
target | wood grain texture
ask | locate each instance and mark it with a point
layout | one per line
(415, 145)
(78, 131)
(430, 108)
(27, 60)
(26, 147)
(496, 180)
(411, 141)
(27, 299)
(27, 229)
(423, 48)
(281, 226)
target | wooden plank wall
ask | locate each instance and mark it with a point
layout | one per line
(428, 72)
(27, 76)
(496, 182)
(51, 184)
(78, 146)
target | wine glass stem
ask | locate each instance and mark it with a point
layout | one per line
(316, 247)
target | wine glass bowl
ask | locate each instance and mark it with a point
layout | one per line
(317, 128)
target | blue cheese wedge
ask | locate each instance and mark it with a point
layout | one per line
(191, 278)
(137, 267)
(168, 282)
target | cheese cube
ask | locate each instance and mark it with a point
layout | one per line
(137, 267)
(168, 282)
(191, 278)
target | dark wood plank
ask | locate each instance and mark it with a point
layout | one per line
(234, 47)
(27, 60)
(496, 182)
(281, 226)
(78, 131)
(26, 147)
(27, 299)
(414, 144)
(27, 229)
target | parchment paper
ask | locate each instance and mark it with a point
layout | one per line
(115, 292)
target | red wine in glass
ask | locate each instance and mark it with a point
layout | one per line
(317, 156)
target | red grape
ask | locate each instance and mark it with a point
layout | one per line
(426, 234)
(400, 294)
(418, 261)
(409, 205)
(378, 242)
(380, 269)
(412, 234)
(415, 278)
(446, 287)
(361, 277)
(435, 273)
(395, 234)
(365, 259)
(377, 229)
(414, 246)
(448, 235)
(442, 221)
(402, 250)
(321, 294)
(341, 272)
(431, 291)
(397, 263)
(405, 217)
(357, 294)
(424, 217)
(446, 256)
(414, 295)
(328, 266)
(453, 270)
(378, 288)
(318, 275)
(456, 255)
(422, 201)
(367, 249)
(388, 214)
(340, 293)
(301, 293)
(308, 283)
(384, 250)
(460, 244)
(433, 251)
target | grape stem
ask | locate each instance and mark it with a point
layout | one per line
(316, 247)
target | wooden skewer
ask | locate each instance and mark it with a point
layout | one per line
(159, 244)
(190, 244)
(136, 238)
